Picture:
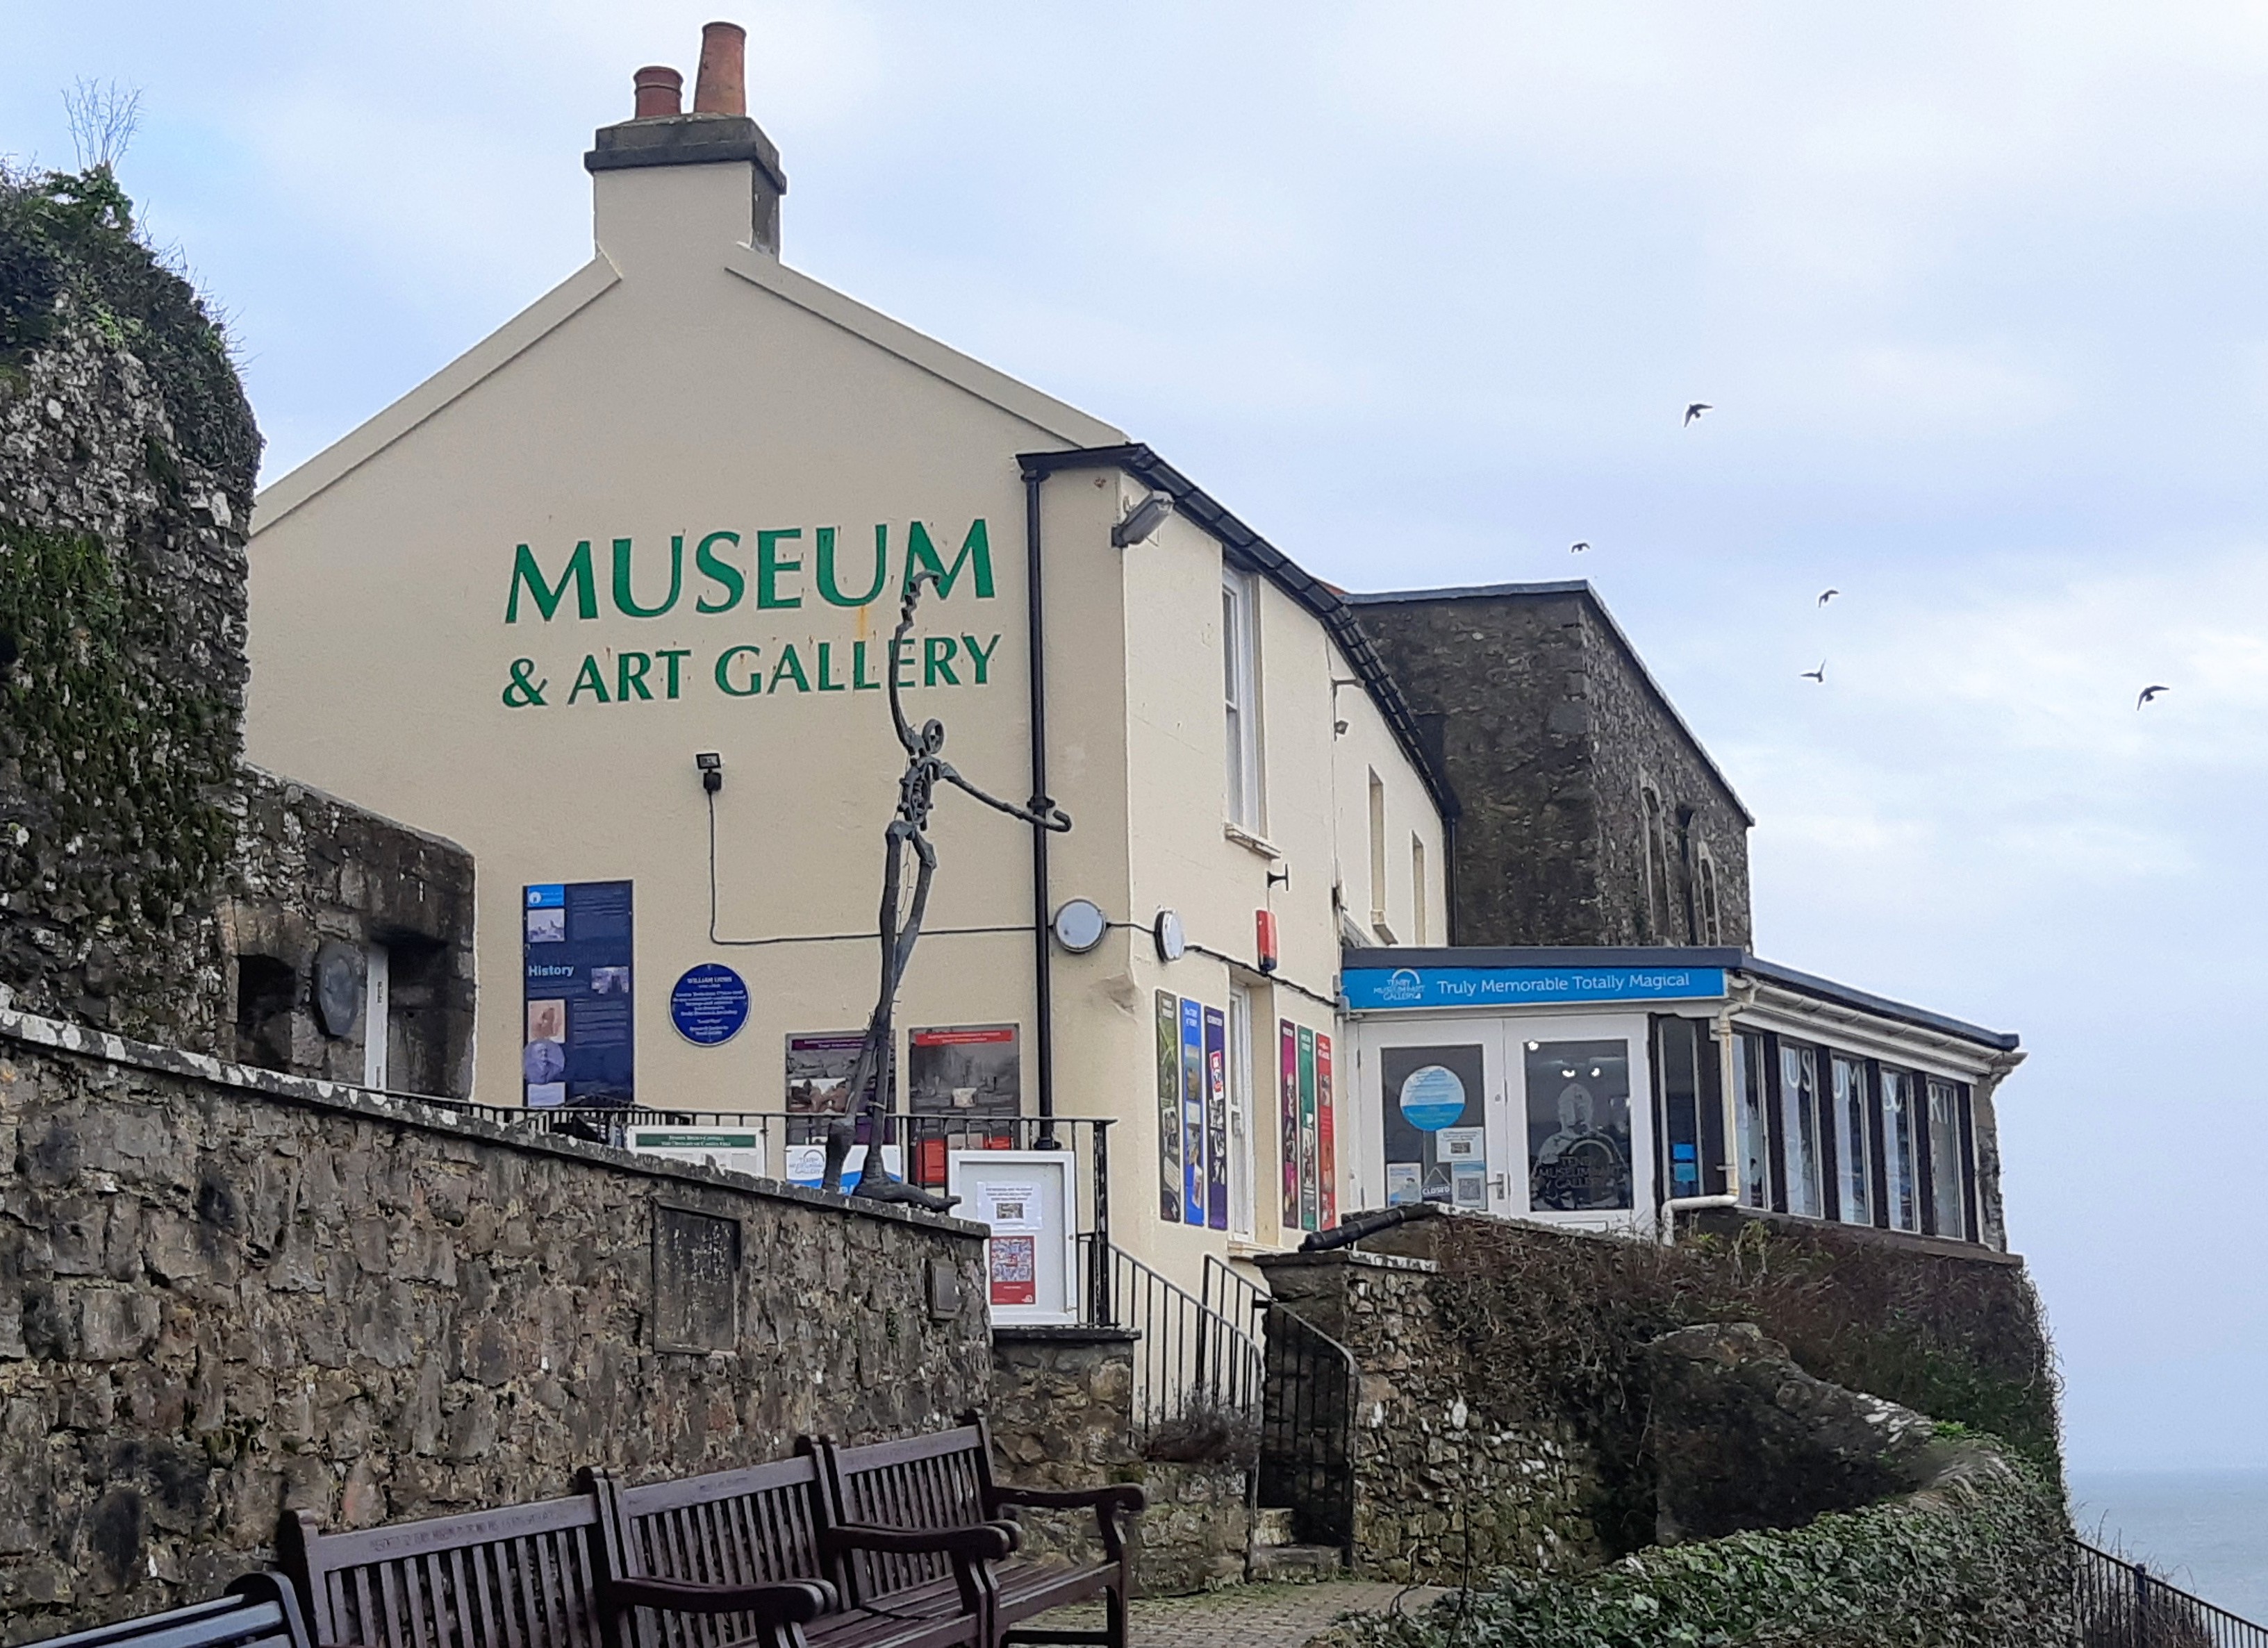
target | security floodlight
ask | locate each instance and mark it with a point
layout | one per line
(1143, 519)
(712, 770)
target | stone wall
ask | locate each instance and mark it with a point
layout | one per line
(1552, 736)
(318, 884)
(127, 461)
(224, 1291)
(1440, 1491)
(1062, 1416)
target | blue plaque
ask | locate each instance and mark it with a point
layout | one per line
(709, 1005)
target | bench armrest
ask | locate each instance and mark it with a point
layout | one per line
(981, 1542)
(1126, 1496)
(796, 1601)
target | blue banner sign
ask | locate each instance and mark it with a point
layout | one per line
(1370, 988)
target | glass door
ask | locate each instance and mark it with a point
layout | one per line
(1585, 1148)
(1436, 1085)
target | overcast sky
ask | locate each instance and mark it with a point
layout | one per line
(1420, 290)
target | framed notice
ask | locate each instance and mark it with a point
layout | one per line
(1288, 1090)
(819, 1068)
(965, 1070)
(1216, 1118)
(574, 947)
(1028, 1202)
(1169, 1107)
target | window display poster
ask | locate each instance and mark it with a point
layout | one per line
(577, 981)
(1193, 1116)
(1434, 1138)
(970, 1070)
(1308, 1200)
(1578, 1126)
(1216, 1117)
(1169, 1107)
(1327, 1196)
(1289, 1089)
(819, 1067)
(1014, 1262)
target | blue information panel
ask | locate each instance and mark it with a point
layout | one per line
(1369, 989)
(709, 1005)
(578, 1048)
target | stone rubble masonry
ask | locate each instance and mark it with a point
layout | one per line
(1438, 1492)
(225, 1292)
(1550, 733)
(1062, 1416)
(312, 870)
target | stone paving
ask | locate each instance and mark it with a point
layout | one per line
(1254, 1615)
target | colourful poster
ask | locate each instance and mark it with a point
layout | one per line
(1015, 1268)
(1289, 1153)
(1169, 1107)
(1326, 1148)
(575, 949)
(1216, 1118)
(1308, 1208)
(1193, 1116)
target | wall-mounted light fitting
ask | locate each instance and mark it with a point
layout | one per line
(1143, 519)
(712, 770)
(1165, 932)
(1079, 925)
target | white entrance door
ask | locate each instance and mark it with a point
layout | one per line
(1442, 1136)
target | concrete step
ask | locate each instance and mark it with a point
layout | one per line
(1295, 1563)
(1272, 1526)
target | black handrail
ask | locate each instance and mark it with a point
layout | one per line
(1307, 1429)
(2122, 1604)
(1191, 1363)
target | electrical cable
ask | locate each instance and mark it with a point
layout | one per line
(787, 938)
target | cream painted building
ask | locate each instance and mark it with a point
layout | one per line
(667, 512)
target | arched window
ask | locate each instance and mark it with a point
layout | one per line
(1712, 929)
(1657, 867)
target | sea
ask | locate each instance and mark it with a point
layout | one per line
(2205, 1531)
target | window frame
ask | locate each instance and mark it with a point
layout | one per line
(1244, 772)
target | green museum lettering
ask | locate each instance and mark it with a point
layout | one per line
(662, 675)
(724, 573)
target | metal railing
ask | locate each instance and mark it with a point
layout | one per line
(1192, 1366)
(1306, 1431)
(793, 1143)
(2122, 1604)
(1230, 1293)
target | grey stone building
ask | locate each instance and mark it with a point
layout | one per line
(1591, 815)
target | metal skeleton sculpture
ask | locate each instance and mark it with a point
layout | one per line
(901, 925)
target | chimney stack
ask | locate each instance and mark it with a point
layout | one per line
(729, 150)
(721, 87)
(658, 89)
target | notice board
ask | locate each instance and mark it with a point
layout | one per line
(579, 1047)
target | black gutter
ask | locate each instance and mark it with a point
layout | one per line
(1248, 548)
(1043, 1041)
(1681, 956)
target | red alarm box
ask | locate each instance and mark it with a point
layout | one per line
(1265, 921)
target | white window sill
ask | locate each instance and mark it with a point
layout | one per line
(1245, 838)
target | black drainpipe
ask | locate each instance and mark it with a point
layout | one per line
(1043, 1045)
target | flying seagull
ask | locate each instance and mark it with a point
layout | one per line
(1697, 409)
(2149, 693)
(1578, 549)
(1827, 595)
(1819, 675)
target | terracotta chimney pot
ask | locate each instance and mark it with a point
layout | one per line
(658, 89)
(721, 87)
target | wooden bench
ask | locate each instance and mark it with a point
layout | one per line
(710, 1539)
(945, 1480)
(547, 1575)
(258, 1611)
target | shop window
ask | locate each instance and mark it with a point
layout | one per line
(1240, 636)
(1692, 1130)
(1799, 1127)
(1949, 1199)
(1901, 1191)
(1751, 1112)
(1578, 1127)
(1854, 1154)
